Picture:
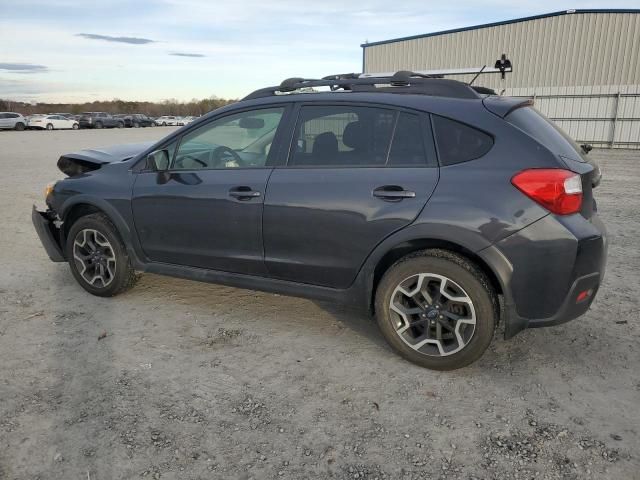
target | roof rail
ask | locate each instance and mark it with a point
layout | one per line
(426, 82)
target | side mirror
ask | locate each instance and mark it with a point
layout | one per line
(158, 161)
(251, 123)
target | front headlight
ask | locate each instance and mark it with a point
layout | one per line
(48, 190)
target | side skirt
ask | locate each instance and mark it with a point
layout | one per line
(354, 296)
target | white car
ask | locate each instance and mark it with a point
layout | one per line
(12, 121)
(187, 120)
(167, 120)
(52, 122)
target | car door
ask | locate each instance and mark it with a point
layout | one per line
(4, 123)
(355, 175)
(206, 209)
(57, 121)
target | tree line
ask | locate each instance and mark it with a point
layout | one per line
(194, 107)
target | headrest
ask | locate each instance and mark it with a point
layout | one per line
(325, 144)
(354, 136)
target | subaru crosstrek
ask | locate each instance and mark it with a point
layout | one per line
(439, 210)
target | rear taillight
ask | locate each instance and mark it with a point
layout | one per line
(557, 190)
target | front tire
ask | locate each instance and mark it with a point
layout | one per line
(19, 126)
(437, 309)
(98, 125)
(120, 125)
(75, 126)
(97, 256)
(49, 126)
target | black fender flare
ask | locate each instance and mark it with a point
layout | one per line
(437, 232)
(129, 237)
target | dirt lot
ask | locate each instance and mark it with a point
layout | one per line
(202, 381)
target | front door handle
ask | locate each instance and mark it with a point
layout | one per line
(243, 193)
(393, 193)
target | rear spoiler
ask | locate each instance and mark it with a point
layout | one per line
(503, 106)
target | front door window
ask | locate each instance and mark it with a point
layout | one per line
(241, 140)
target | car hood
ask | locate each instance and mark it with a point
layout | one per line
(76, 163)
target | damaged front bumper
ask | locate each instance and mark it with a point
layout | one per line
(49, 233)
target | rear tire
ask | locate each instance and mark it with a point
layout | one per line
(19, 126)
(120, 125)
(98, 125)
(97, 256)
(436, 292)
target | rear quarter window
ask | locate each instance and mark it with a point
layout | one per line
(458, 142)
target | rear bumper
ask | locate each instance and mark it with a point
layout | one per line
(553, 270)
(572, 307)
(45, 229)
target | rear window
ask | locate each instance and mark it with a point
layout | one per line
(458, 142)
(536, 125)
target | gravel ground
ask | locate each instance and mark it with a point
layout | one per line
(177, 379)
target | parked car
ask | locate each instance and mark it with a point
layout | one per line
(30, 118)
(138, 120)
(440, 210)
(186, 120)
(66, 115)
(52, 122)
(166, 120)
(99, 120)
(12, 121)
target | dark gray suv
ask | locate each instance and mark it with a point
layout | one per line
(440, 210)
(100, 120)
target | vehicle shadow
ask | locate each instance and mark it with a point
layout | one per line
(357, 320)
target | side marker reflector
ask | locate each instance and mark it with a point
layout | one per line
(585, 294)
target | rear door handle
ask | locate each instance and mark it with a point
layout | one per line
(393, 193)
(243, 193)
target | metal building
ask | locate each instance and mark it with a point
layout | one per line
(582, 67)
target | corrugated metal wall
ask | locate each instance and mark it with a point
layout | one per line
(607, 116)
(583, 69)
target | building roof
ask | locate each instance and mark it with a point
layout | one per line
(496, 24)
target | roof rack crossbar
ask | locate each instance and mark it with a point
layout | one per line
(442, 72)
(502, 66)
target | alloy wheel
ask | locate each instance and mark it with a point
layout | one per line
(94, 257)
(432, 314)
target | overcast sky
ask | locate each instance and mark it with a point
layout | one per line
(64, 50)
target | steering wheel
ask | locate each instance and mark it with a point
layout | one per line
(218, 154)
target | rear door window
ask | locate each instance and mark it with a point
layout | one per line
(458, 142)
(342, 136)
(408, 146)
